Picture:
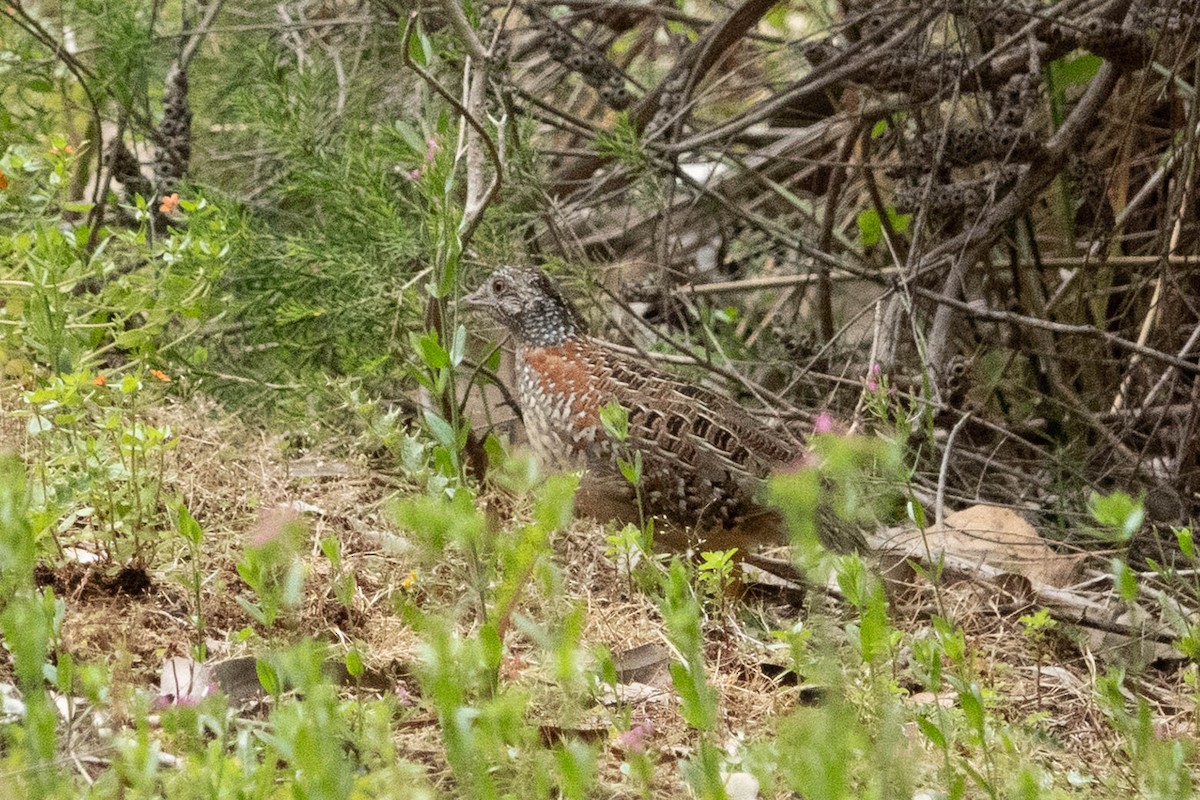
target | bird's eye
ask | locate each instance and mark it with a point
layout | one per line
(499, 286)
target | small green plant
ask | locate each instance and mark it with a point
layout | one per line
(29, 621)
(190, 531)
(615, 419)
(435, 372)
(1037, 628)
(1118, 515)
(101, 460)
(715, 574)
(272, 567)
(344, 584)
(1158, 763)
(625, 548)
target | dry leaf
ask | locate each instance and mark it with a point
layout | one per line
(184, 681)
(639, 664)
(995, 536)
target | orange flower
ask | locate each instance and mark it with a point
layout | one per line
(3, 180)
(100, 380)
(162, 376)
(169, 203)
(69, 149)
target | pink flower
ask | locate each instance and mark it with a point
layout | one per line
(873, 377)
(272, 524)
(414, 175)
(431, 149)
(404, 697)
(823, 423)
(636, 738)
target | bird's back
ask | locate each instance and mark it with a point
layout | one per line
(704, 458)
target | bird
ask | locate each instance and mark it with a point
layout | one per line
(704, 458)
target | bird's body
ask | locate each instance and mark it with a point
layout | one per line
(704, 459)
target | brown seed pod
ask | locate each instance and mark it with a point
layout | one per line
(174, 133)
(125, 169)
(945, 198)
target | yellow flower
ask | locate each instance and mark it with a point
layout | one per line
(409, 582)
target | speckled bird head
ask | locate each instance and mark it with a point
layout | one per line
(530, 304)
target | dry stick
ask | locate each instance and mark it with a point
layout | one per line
(877, 328)
(458, 18)
(842, 67)
(104, 177)
(824, 282)
(1150, 185)
(784, 281)
(1153, 312)
(197, 36)
(776, 404)
(656, 11)
(972, 245)
(772, 312)
(812, 137)
(697, 59)
(1086, 331)
(939, 506)
(771, 229)
(780, 281)
(1195, 332)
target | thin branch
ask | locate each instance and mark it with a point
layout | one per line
(1086, 331)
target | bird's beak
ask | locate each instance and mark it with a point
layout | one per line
(477, 297)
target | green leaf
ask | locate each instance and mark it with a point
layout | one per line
(411, 136)
(555, 507)
(458, 348)
(441, 430)
(419, 49)
(1125, 579)
(932, 732)
(331, 549)
(354, 664)
(492, 646)
(870, 229)
(971, 703)
(777, 17)
(433, 355)
(1075, 71)
(1186, 546)
(268, 676)
(615, 419)
(187, 525)
(1119, 515)
(916, 512)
